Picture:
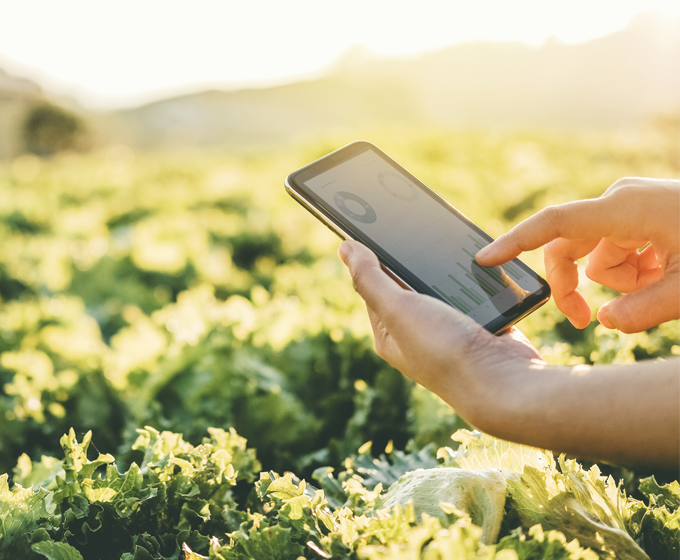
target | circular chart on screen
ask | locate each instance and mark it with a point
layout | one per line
(355, 207)
(398, 186)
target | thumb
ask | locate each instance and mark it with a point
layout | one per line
(646, 308)
(376, 288)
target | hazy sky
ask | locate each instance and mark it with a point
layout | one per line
(124, 52)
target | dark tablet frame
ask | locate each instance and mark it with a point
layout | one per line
(344, 228)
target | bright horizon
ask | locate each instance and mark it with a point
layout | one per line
(109, 55)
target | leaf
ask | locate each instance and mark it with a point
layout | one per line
(76, 465)
(539, 545)
(37, 474)
(428, 541)
(480, 494)
(461, 540)
(22, 511)
(272, 543)
(384, 527)
(284, 489)
(579, 504)
(190, 555)
(57, 551)
(480, 451)
(230, 447)
(333, 490)
(657, 528)
(387, 470)
(667, 495)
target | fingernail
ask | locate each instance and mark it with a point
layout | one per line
(344, 251)
(602, 315)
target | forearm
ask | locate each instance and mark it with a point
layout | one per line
(627, 414)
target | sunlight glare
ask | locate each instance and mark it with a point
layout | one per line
(114, 54)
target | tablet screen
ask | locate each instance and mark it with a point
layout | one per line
(423, 234)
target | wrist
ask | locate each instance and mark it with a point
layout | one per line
(502, 398)
(492, 390)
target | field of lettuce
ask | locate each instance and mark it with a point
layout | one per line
(186, 371)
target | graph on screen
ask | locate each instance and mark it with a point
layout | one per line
(467, 284)
(423, 235)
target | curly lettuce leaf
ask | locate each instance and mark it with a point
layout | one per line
(667, 495)
(540, 545)
(430, 541)
(658, 529)
(272, 543)
(478, 451)
(580, 504)
(22, 511)
(657, 525)
(40, 474)
(56, 551)
(364, 474)
(480, 494)
(386, 470)
(179, 495)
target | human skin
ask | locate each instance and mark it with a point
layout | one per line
(626, 414)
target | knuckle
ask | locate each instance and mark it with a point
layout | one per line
(622, 183)
(621, 318)
(554, 215)
(624, 191)
(629, 190)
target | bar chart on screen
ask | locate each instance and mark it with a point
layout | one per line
(423, 236)
(468, 285)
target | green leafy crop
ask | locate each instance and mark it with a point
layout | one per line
(89, 507)
(187, 293)
(208, 501)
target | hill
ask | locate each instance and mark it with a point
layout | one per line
(17, 96)
(616, 80)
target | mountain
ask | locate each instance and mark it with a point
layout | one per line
(616, 80)
(621, 79)
(259, 116)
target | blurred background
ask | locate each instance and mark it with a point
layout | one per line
(153, 271)
(223, 74)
